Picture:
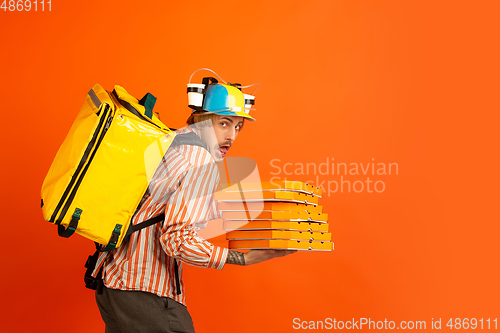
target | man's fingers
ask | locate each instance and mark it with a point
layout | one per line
(281, 253)
(255, 256)
(286, 252)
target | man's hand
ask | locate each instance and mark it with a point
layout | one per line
(255, 256)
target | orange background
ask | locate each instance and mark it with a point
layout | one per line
(413, 83)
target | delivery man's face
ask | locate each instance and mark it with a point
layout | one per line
(226, 129)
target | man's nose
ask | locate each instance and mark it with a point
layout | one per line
(231, 135)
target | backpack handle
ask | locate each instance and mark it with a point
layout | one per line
(148, 101)
(144, 112)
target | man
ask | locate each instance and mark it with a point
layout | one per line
(143, 288)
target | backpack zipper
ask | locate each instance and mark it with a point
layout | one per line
(97, 137)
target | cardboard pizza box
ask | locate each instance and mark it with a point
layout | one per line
(279, 234)
(271, 195)
(272, 215)
(276, 185)
(268, 206)
(280, 245)
(276, 225)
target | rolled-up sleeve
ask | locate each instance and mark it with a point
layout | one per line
(191, 203)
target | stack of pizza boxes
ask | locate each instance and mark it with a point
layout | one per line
(274, 215)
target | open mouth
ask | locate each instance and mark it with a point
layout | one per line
(223, 150)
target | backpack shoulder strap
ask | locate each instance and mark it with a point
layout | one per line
(182, 139)
(190, 138)
(145, 224)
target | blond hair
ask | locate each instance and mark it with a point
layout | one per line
(197, 117)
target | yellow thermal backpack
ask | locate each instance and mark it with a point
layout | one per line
(104, 166)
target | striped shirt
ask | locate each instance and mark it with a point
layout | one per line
(183, 188)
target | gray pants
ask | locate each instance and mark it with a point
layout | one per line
(137, 312)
